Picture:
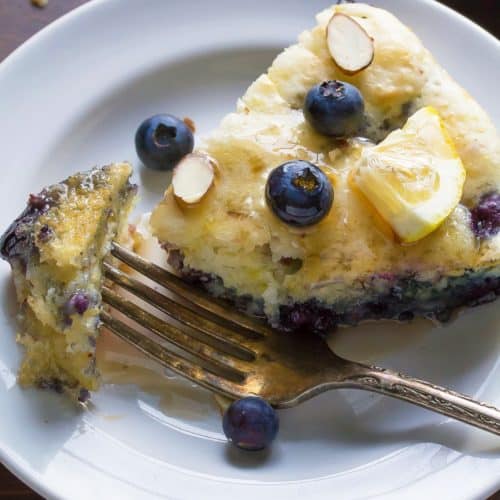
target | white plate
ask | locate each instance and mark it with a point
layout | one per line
(72, 97)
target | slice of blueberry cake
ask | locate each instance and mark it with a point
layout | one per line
(355, 181)
(56, 248)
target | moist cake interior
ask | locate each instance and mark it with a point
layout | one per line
(56, 248)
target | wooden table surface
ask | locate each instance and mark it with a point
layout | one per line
(19, 20)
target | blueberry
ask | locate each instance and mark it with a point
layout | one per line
(78, 303)
(251, 423)
(53, 384)
(45, 234)
(299, 193)
(162, 141)
(485, 216)
(308, 316)
(83, 395)
(335, 108)
(37, 201)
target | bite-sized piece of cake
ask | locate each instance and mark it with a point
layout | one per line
(56, 249)
(426, 245)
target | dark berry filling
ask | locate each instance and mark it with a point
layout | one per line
(403, 299)
(45, 234)
(406, 298)
(38, 202)
(485, 216)
(83, 395)
(132, 189)
(307, 316)
(17, 240)
(78, 303)
(54, 384)
(175, 259)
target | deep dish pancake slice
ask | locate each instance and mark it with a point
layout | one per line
(56, 248)
(347, 268)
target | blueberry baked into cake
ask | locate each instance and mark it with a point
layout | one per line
(56, 248)
(356, 180)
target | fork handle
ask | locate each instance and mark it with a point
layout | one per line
(433, 397)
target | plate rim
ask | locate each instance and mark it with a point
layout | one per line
(11, 459)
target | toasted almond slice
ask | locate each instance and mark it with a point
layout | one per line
(349, 44)
(193, 177)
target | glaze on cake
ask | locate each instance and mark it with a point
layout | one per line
(347, 268)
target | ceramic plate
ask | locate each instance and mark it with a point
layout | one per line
(72, 97)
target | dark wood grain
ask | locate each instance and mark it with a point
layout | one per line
(486, 13)
(19, 20)
(12, 488)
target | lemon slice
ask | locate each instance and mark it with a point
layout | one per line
(414, 178)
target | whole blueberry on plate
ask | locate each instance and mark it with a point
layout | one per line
(250, 423)
(161, 141)
(299, 193)
(335, 108)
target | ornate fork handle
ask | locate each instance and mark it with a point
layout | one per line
(427, 395)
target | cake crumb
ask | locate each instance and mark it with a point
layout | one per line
(39, 3)
(190, 123)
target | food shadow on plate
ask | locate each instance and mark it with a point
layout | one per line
(251, 459)
(60, 418)
(353, 417)
(334, 420)
(461, 355)
(154, 182)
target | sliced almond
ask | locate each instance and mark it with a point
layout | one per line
(40, 3)
(193, 177)
(350, 46)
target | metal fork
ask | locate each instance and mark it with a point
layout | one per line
(237, 356)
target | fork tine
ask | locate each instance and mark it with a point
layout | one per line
(173, 361)
(235, 368)
(224, 337)
(188, 292)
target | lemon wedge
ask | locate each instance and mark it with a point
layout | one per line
(414, 178)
